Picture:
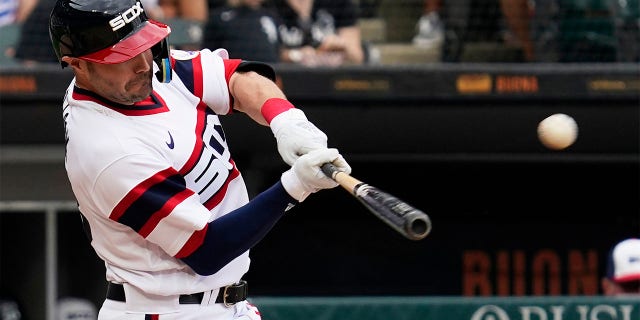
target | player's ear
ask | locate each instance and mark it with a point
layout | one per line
(71, 61)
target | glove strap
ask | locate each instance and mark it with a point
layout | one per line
(273, 107)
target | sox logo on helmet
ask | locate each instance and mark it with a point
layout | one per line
(126, 17)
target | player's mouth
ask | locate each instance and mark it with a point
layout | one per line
(142, 82)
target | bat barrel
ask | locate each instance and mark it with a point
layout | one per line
(418, 225)
(404, 218)
(407, 220)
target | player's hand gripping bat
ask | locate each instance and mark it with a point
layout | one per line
(404, 218)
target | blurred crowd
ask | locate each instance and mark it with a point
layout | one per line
(341, 32)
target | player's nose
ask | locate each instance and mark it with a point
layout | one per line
(142, 62)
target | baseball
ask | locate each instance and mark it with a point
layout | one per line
(557, 131)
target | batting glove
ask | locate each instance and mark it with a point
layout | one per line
(306, 177)
(295, 135)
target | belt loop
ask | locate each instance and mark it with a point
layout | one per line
(209, 297)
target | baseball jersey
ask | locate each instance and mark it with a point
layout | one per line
(149, 177)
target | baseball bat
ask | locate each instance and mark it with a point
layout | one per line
(401, 216)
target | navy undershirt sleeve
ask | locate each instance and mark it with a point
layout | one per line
(236, 232)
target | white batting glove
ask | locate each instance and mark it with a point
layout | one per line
(295, 135)
(306, 177)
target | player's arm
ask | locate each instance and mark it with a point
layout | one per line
(232, 234)
(256, 94)
(250, 90)
(154, 201)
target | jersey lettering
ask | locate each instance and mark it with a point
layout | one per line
(214, 166)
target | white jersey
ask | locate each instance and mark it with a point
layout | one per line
(129, 165)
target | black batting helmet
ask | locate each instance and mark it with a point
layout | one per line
(106, 31)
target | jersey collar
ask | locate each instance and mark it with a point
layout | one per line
(153, 104)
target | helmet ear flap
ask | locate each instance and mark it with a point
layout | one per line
(160, 53)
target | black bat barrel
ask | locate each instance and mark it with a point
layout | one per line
(404, 218)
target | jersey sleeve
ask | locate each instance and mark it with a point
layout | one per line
(206, 75)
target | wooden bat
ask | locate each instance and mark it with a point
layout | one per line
(404, 218)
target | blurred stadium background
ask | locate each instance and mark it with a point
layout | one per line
(519, 231)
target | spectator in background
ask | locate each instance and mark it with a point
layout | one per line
(451, 25)
(15, 11)
(430, 28)
(185, 17)
(517, 16)
(214, 4)
(33, 43)
(153, 9)
(246, 29)
(576, 31)
(320, 32)
(623, 269)
(368, 8)
(196, 10)
(626, 16)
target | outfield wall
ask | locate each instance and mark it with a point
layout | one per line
(450, 308)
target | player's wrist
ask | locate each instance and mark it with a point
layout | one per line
(273, 107)
(294, 186)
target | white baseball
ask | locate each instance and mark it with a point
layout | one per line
(558, 131)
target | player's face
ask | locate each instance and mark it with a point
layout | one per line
(126, 83)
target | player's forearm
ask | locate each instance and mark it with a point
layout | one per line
(250, 91)
(236, 232)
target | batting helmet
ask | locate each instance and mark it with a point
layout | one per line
(107, 31)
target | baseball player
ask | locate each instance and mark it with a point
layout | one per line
(162, 200)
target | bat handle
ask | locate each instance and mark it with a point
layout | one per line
(329, 169)
(348, 182)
